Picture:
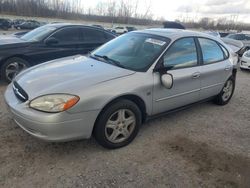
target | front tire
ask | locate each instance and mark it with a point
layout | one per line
(118, 124)
(226, 93)
(12, 67)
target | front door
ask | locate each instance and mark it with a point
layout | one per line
(181, 60)
(68, 41)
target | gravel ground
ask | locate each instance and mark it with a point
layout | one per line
(203, 146)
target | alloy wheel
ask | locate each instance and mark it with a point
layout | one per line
(120, 125)
(227, 90)
(13, 69)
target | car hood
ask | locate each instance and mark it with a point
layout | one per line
(11, 41)
(68, 75)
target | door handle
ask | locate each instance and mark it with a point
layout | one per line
(228, 68)
(196, 75)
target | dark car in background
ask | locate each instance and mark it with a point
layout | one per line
(173, 25)
(5, 24)
(17, 22)
(224, 34)
(29, 25)
(131, 28)
(46, 43)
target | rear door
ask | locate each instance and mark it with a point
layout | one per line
(92, 39)
(216, 68)
(182, 60)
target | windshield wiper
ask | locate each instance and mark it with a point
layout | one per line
(109, 60)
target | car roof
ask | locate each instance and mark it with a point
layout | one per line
(174, 34)
(59, 25)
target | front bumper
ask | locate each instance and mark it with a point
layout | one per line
(62, 126)
(245, 63)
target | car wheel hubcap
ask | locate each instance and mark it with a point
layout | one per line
(120, 125)
(227, 90)
(13, 69)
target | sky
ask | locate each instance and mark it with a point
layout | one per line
(237, 10)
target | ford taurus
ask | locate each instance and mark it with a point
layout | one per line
(128, 80)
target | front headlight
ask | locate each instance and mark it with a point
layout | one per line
(54, 102)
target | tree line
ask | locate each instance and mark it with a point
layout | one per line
(113, 11)
(110, 11)
(222, 24)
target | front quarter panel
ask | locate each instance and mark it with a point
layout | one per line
(17, 51)
(98, 96)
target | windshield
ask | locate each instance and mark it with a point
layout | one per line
(38, 34)
(135, 51)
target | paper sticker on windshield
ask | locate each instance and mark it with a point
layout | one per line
(155, 41)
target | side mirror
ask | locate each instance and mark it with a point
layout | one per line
(51, 41)
(167, 80)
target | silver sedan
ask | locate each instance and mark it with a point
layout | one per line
(120, 85)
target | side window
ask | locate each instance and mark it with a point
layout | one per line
(211, 51)
(181, 54)
(93, 36)
(67, 35)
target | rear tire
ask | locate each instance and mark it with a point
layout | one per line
(12, 67)
(118, 124)
(226, 93)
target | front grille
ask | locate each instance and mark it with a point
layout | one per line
(19, 92)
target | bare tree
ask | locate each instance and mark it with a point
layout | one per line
(113, 11)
